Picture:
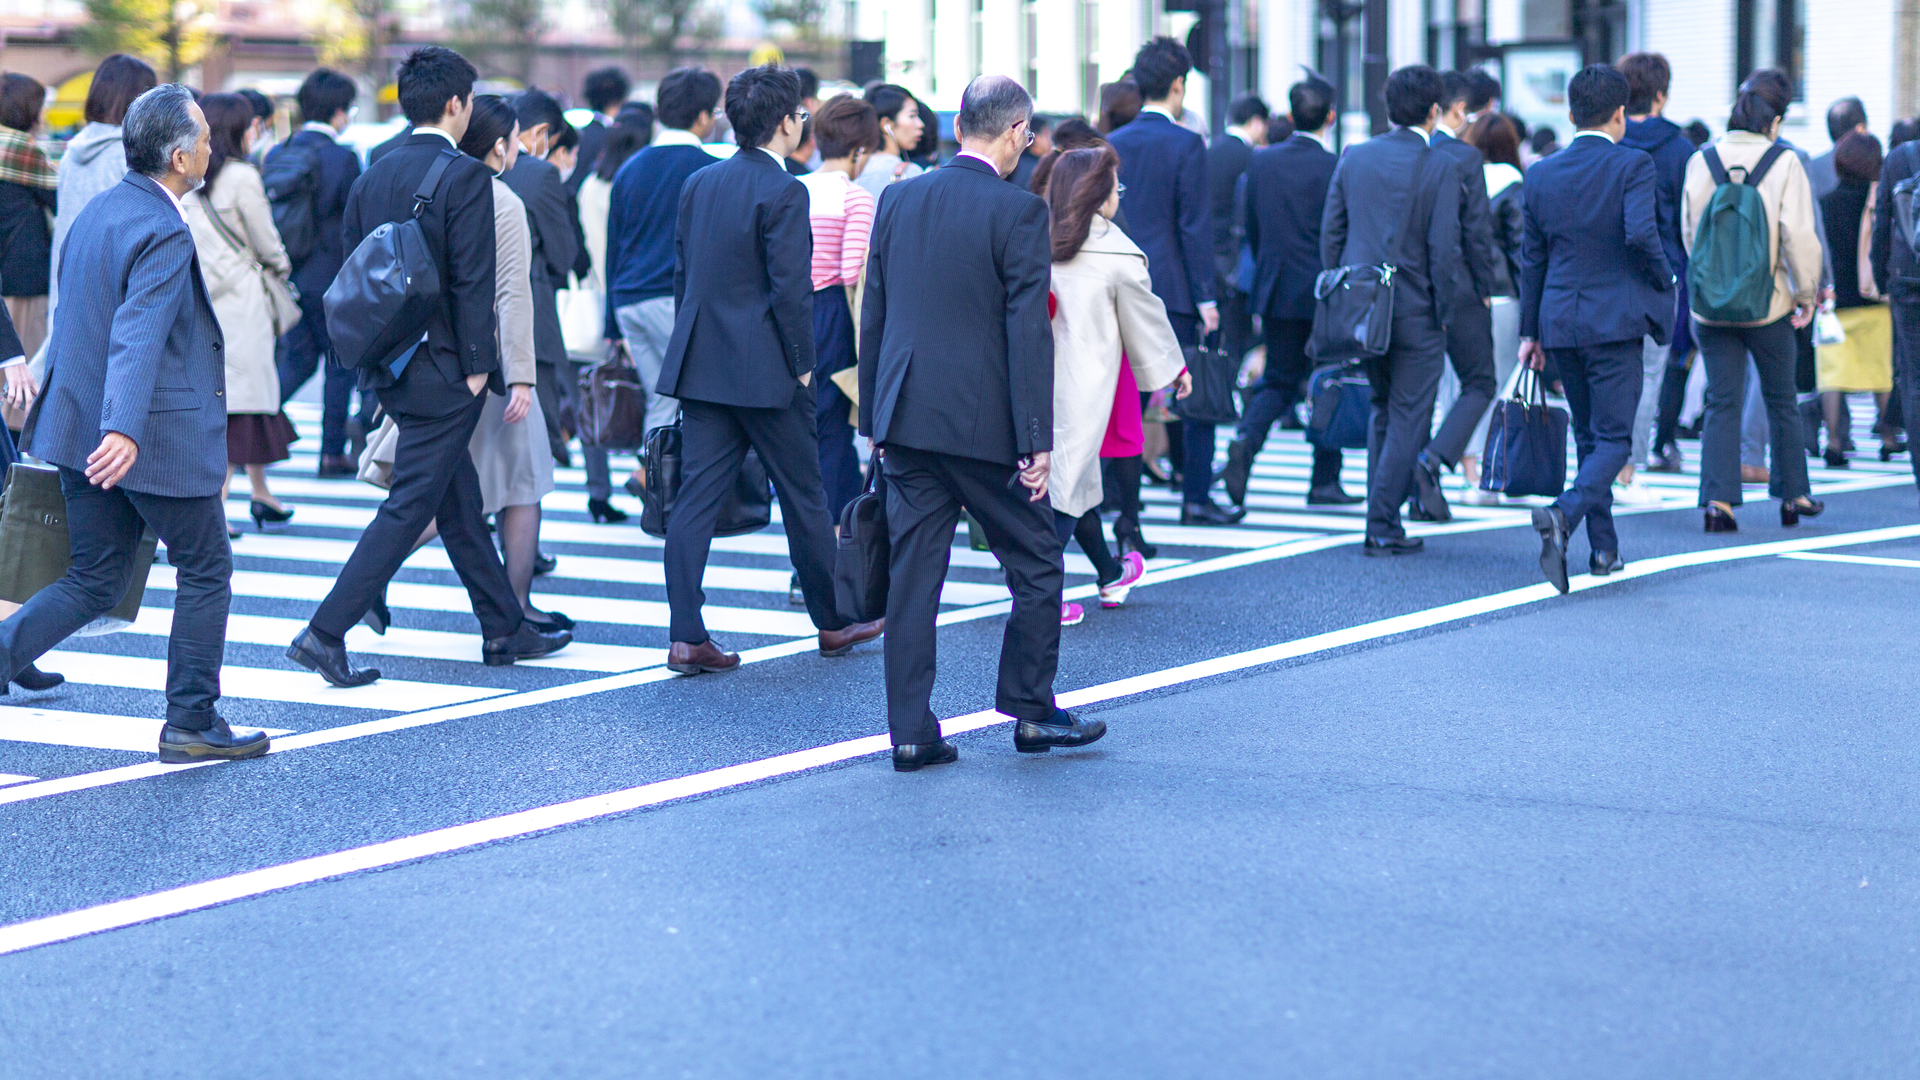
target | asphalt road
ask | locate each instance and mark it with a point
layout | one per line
(1661, 827)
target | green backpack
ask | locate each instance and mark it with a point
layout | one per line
(1730, 270)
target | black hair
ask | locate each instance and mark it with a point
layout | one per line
(926, 152)
(493, 119)
(1311, 101)
(1279, 128)
(1846, 114)
(1764, 98)
(116, 82)
(1246, 107)
(535, 107)
(1120, 103)
(1483, 90)
(1412, 92)
(758, 100)
(430, 77)
(809, 83)
(1543, 141)
(228, 118)
(21, 100)
(562, 137)
(623, 141)
(887, 100)
(1648, 76)
(1904, 131)
(261, 104)
(684, 94)
(1698, 133)
(606, 87)
(1454, 87)
(323, 93)
(1158, 63)
(1594, 93)
(1039, 122)
(1857, 157)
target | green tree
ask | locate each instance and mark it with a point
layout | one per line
(802, 16)
(660, 25)
(354, 35)
(510, 28)
(172, 33)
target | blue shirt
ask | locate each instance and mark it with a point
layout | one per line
(640, 224)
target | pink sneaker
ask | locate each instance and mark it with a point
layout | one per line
(1135, 568)
(1071, 614)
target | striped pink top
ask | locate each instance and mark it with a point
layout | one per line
(842, 216)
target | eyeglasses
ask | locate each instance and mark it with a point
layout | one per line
(1029, 126)
(802, 115)
(1119, 188)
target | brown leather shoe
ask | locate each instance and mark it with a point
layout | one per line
(688, 659)
(841, 642)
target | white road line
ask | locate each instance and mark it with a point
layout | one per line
(1863, 560)
(132, 911)
(265, 684)
(14, 778)
(95, 731)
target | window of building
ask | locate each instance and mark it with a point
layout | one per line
(1771, 33)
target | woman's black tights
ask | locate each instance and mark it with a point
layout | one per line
(1093, 540)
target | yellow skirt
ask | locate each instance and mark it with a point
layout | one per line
(1863, 362)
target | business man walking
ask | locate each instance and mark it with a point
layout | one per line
(1367, 208)
(435, 399)
(740, 361)
(1594, 280)
(134, 415)
(956, 390)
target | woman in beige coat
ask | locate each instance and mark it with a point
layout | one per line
(1104, 307)
(234, 236)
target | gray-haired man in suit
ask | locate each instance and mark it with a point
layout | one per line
(135, 415)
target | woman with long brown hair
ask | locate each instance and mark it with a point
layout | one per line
(1104, 307)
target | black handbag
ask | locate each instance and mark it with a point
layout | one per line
(613, 403)
(747, 508)
(1214, 372)
(1341, 406)
(1353, 305)
(35, 550)
(862, 555)
(379, 303)
(1526, 452)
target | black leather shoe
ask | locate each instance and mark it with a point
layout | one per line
(1426, 484)
(1602, 563)
(1398, 545)
(1331, 495)
(32, 678)
(1552, 527)
(330, 661)
(602, 510)
(1791, 511)
(378, 618)
(179, 746)
(910, 757)
(1210, 513)
(525, 643)
(1669, 462)
(1238, 471)
(544, 564)
(551, 621)
(1719, 521)
(796, 596)
(334, 466)
(1038, 737)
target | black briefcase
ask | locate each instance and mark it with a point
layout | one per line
(748, 508)
(861, 558)
(1353, 305)
(1526, 451)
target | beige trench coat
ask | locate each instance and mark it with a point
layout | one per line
(1105, 305)
(514, 461)
(239, 297)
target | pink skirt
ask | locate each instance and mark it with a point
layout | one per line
(1124, 438)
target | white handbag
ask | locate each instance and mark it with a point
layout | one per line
(582, 319)
(376, 460)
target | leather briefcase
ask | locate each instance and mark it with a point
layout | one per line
(613, 403)
(1353, 305)
(35, 550)
(862, 555)
(1526, 451)
(747, 508)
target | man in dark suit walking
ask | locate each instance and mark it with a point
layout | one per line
(956, 390)
(550, 223)
(1163, 168)
(1373, 191)
(435, 396)
(134, 415)
(740, 361)
(1594, 281)
(1227, 158)
(1286, 192)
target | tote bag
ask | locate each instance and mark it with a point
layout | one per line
(35, 549)
(1526, 451)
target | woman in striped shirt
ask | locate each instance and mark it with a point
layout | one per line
(846, 132)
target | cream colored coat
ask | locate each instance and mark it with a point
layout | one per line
(1793, 242)
(1104, 305)
(239, 297)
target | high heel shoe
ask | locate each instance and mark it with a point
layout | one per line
(602, 510)
(1792, 510)
(1719, 521)
(1126, 531)
(1887, 450)
(1836, 459)
(265, 515)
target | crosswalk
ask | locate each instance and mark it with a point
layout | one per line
(609, 579)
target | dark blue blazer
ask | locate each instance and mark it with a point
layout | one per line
(135, 348)
(1592, 268)
(339, 168)
(1367, 208)
(1286, 194)
(1168, 207)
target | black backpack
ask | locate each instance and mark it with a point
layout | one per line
(291, 176)
(379, 303)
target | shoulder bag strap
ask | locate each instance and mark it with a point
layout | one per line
(430, 183)
(1759, 170)
(220, 227)
(1715, 168)
(1416, 197)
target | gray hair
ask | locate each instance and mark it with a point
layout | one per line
(158, 123)
(990, 105)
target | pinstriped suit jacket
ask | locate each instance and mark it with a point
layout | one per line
(135, 348)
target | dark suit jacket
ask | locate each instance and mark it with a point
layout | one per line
(1168, 207)
(743, 285)
(388, 147)
(1286, 194)
(555, 246)
(1226, 161)
(1367, 205)
(459, 227)
(135, 348)
(593, 139)
(1592, 268)
(1895, 268)
(339, 168)
(1475, 277)
(956, 347)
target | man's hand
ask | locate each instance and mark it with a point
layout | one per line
(519, 401)
(1532, 355)
(20, 390)
(109, 464)
(1802, 315)
(1209, 317)
(1033, 475)
(476, 383)
(1183, 385)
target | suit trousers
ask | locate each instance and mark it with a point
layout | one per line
(1404, 384)
(1604, 384)
(1236, 318)
(1196, 440)
(925, 494)
(302, 350)
(714, 440)
(104, 530)
(1279, 391)
(433, 480)
(1724, 349)
(1470, 350)
(1906, 368)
